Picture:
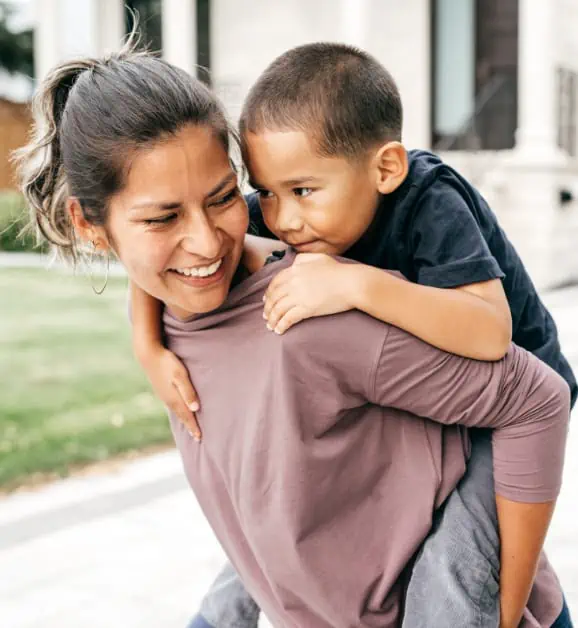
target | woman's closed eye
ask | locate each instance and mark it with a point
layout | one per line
(161, 220)
(230, 196)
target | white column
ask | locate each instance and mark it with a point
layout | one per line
(78, 28)
(45, 36)
(64, 29)
(354, 14)
(536, 137)
(111, 25)
(179, 19)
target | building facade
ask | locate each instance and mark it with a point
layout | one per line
(492, 85)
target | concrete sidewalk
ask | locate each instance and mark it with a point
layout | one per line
(131, 548)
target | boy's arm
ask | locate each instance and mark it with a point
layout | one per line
(257, 249)
(473, 321)
(168, 376)
(526, 403)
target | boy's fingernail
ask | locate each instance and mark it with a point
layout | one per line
(269, 327)
(264, 298)
(194, 406)
(277, 331)
(264, 316)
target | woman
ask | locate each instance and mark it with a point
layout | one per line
(313, 441)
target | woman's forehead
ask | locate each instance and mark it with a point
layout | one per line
(192, 162)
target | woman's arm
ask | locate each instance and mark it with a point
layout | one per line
(526, 403)
(522, 529)
(168, 376)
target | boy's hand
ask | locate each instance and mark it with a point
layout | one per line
(315, 285)
(170, 381)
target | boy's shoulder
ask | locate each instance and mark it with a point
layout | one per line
(429, 175)
(435, 195)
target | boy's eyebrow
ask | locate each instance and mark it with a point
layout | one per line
(288, 183)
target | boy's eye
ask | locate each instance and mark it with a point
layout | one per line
(225, 200)
(161, 221)
(263, 194)
(302, 192)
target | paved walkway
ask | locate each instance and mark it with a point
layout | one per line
(131, 549)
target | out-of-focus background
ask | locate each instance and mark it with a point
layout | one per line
(491, 85)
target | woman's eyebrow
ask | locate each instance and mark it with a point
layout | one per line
(164, 205)
(223, 184)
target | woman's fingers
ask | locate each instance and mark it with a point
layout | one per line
(188, 405)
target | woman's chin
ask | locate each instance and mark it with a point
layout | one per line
(208, 301)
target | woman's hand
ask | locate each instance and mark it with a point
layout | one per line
(170, 381)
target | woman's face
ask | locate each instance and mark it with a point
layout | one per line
(179, 223)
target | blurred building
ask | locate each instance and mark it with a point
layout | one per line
(490, 84)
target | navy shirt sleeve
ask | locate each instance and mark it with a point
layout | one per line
(448, 247)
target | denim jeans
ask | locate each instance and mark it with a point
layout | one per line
(563, 620)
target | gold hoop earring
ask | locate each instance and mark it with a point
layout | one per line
(98, 291)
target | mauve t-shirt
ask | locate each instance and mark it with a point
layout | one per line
(327, 450)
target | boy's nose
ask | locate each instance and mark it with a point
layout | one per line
(289, 218)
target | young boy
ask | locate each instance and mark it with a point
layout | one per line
(321, 133)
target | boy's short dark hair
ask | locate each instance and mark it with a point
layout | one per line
(340, 95)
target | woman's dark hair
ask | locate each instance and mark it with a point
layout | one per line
(337, 94)
(91, 115)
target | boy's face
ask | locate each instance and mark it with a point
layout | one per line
(316, 204)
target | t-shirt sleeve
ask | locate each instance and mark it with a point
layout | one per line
(523, 399)
(449, 249)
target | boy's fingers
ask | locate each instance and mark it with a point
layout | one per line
(292, 317)
(277, 312)
(272, 298)
(277, 281)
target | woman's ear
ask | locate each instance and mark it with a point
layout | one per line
(391, 167)
(85, 231)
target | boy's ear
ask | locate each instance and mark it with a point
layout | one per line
(391, 167)
(85, 231)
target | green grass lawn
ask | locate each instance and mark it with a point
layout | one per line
(70, 391)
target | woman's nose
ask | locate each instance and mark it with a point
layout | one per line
(202, 237)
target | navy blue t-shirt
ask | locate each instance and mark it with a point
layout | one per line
(437, 230)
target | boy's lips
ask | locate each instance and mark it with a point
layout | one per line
(307, 247)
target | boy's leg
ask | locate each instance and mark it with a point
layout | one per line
(564, 621)
(227, 604)
(455, 579)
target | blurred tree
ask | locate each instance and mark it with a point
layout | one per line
(16, 49)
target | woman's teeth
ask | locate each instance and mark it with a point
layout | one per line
(200, 271)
